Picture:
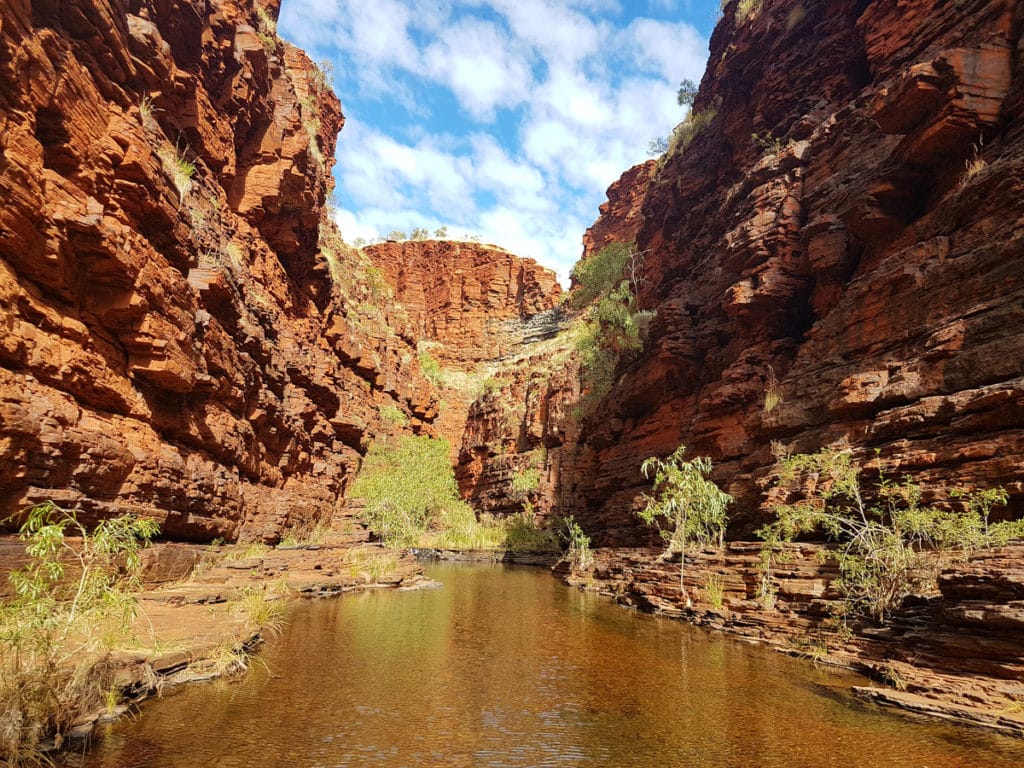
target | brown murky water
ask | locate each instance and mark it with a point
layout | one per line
(507, 667)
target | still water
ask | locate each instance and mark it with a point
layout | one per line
(507, 667)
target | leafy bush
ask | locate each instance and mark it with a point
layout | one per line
(690, 128)
(692, 506)
(889, 548)
(600, 274)
(579, 553)
(525, 481)
(406, 484)
(393, 415)
(522, 534)
(56, 632)
(613, 325)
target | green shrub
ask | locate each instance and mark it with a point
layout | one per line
(690, 128)
(746, 8)
(887, 549)
(580, 556)
(714, 590)
(692, 506)
(57, 629)
(525, 481)
(431, 368)
(522, 534)
(613, 324)
(393, 415)
(599, 274)
(406, 484)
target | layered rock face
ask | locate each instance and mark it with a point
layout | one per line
(621, 214)
(171, 340)
(956, 655)
(835, 259)
(467, 298)
(480, 313)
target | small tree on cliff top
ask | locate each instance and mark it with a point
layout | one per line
(692, 505)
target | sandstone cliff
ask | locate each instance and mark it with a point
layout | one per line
(480, 313)
(172, 341)
(842, 232)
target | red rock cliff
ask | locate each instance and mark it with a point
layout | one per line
(171, 339)
(859, 257)
(466, 297)
(622, 213)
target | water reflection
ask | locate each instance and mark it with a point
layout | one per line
(506, 667)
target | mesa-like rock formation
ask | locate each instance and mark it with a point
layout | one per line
(174, 341)
(469, 299)
(835, 259)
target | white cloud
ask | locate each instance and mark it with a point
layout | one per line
(477, 62)
(561, 96)
(673, 50)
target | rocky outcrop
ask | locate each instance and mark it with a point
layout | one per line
(477, 310)
(955, 655)
(622, 213)
(468, 299)
(520, 434)
(835, 259)
(172, 341)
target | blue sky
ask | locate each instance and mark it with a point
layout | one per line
(506, 119)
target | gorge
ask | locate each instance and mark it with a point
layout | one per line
(827, 255)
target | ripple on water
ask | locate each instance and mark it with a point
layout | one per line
(506, 668)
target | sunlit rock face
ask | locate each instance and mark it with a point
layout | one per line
(171, 341)
(829, 240)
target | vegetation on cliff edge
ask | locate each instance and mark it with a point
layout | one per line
(887, 548)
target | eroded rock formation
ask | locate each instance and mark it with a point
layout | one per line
(171, 340)
(843, 235)
(469, 299)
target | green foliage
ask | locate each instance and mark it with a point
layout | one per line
(522, 534)
(687, 93)
(714, 590)
(419, 233)
(323, 75)
(178, 168)
(406, 484)
(889, 548)
(393, 415)
(441, 232)
(260, 610)
(747, 8)
(525, 481)
(431, 368)
(614, 325)
(692, 507)
(57, 629)
(599, 274)
(691, 127)
(397, 234)
(580, 556)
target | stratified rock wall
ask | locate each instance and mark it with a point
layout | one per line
(827, 239)
(470, 299)
(622, 213)
(171, 341)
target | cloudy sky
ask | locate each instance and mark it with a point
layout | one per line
(506, 119)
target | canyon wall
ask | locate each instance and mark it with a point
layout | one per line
(834, 258)
(488, 322)
(183, 334)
